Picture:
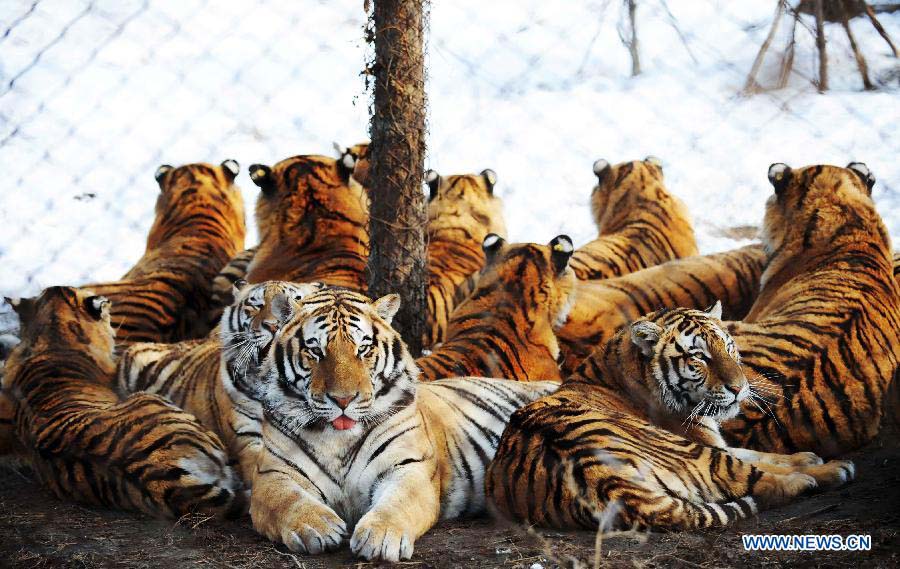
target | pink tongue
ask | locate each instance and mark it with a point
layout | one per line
(343, 423)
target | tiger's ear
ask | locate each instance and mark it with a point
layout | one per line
(97, 306)
(231, 169)
(715, 310)
(262, 177)
(861, 170)
(645, 335)
(345, 165)
(237, 286)
(161, 172)
(433, 179)
(601, 170)
(305, 289)
(561, 250)
(491, 245)
(490, 178)
(780, 176)
(654, 161)
(387, 306)
(23, 307)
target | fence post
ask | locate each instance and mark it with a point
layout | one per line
(397, 153)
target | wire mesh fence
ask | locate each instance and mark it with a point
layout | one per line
(94, 95)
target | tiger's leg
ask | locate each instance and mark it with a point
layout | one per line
(286, 506)
(405, 504)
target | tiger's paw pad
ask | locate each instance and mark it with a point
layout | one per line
(373, 538)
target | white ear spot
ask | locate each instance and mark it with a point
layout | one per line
(338, 148)
(776, 171)
(563, 244)
(431, 176)
(491, 240)
(490, 176)
(98, 302)
(860, 168)
(232, 166)
(599, 166)
(653, 160)
(161, 171)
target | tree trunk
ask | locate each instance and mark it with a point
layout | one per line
(397, 154)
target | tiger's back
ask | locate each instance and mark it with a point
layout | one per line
(462, 211)
(825, 329)
(640, 224)
(505, 329)
(199, 226)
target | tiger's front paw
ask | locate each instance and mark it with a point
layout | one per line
(304, 526)
(377, 538)
(832, 474)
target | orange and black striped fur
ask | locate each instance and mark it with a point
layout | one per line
(139, 453)
(462, 211)
(631, 440)
(199, 226)
(224, 283)
(640, 224)
(601, 307)
(216, 379)
(313, 223)
(505, 329)
(825, 329)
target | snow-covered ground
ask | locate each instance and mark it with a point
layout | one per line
(95, 95)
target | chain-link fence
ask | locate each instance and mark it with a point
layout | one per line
(95, 94)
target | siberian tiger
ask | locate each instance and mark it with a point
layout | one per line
(825, 328)
(462, 211)
(138, 453)
(601, 307)
(632, 440)
(640, 223)
(313, 223)
(217, 379)
(354, 447)
(506, 327)
(199, 226)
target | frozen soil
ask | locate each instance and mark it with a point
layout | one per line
(37, 530)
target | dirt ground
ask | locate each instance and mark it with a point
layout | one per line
(37, 530)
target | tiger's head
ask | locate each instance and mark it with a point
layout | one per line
(467, 196)
(694, 363)
(356, 158)
(195, 189)
(248, 326)
(624, 187)
(338, 364)
(306, 192)
(65, 317)
(814, 207)
(537, 278)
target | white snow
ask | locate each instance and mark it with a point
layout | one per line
(103, 92)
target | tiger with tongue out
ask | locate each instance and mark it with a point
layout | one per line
(355, 447)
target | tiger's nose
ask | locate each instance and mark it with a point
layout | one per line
(342, 402)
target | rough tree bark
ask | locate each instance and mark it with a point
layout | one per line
(397, 153)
